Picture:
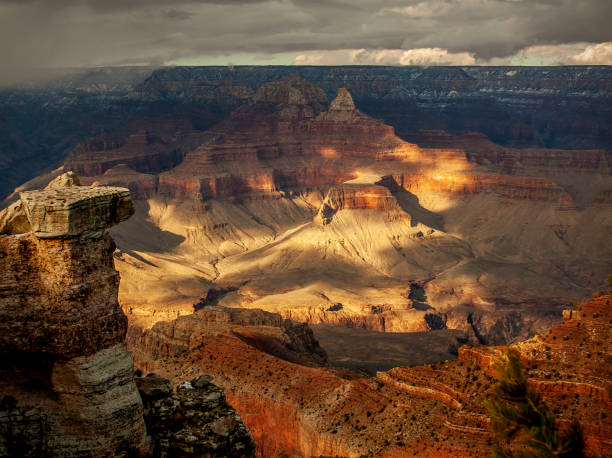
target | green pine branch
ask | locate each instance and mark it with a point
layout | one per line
(522, 425)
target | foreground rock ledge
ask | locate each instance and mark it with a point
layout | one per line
(66, 378)
(70, 212)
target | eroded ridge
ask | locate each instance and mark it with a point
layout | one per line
(431, 410)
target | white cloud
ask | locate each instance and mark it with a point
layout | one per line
(595, 54)
(560, 54)
(417, 56)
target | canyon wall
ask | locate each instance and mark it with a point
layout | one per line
(560, 107)
(431, 410)
(321, 213)
(540, 106)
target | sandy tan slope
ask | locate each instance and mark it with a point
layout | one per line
(322, 213)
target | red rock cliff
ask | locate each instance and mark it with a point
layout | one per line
(433, 410)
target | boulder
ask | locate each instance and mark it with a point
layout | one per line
(13, 220)
(153, 386)
(65, 180)
(202, 381)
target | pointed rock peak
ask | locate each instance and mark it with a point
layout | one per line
(343, 101)
(65, 180)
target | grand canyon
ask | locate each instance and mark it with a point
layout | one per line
(345, 252)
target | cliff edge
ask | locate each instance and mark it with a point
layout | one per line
(66, 377)
(67, 382)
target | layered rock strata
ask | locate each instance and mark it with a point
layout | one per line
(564, 107)
(433, 410)
(461, 216)
(354, 196)
(66, 376)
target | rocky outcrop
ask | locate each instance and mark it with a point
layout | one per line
(354, 196)
(266, 331)
(195, 420)
(67, 378)
(343, 102)
(342, 109)
(66, 210)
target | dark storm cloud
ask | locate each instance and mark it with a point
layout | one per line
(107, 32)
(120, 5)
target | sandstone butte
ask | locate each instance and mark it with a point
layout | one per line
(293, 204)
(294, 405)
(66, 378)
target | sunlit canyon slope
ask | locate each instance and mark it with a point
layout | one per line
(320, 212)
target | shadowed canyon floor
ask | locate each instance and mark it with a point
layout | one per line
(369, 351)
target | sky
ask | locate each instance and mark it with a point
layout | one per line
(84, 33)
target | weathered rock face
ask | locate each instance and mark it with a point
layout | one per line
(59, 296)
(66, 376)
(353, 196)
(193, 421)
(56, 213)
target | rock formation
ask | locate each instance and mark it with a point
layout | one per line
(563, 107)
(67, 378)
(268, 332)
(357, 196)
(193, 421)
(242, 207)
(433, 410)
